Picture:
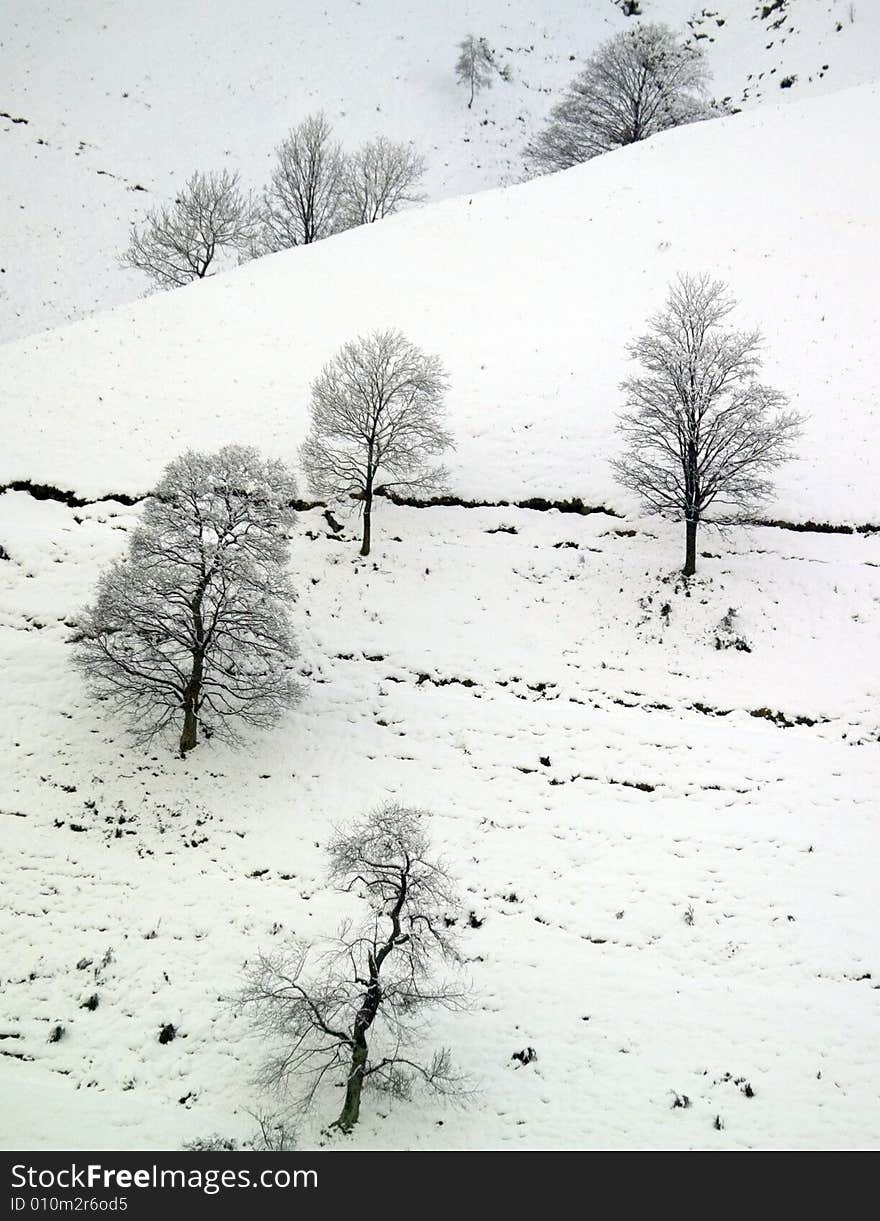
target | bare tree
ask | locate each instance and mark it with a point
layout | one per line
(640, 82)
(378, 179)
(354, 1008)
(193, 622)
(376, 412)
(179, 242)
(301, 204)
(701, 433)
(476, 65)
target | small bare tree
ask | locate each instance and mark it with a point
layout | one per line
(378, 180)
(476, 65)
(179, 242)
(701, 433)
(301, 204)
(376, 412)
(640, 82)
(193, 622)
(354, 1008)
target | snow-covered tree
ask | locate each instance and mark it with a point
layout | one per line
(702, 434)
(349, 1010)
(378, 180)
(476, 65)
(376, 419)
(301, 203)
(193, 622)
(179, 242)
(640, 82)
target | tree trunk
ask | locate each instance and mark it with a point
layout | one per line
(366, 1015)
(368, 513)
(690, 559)
(351, 1109)
(188, 737)
(191, 700)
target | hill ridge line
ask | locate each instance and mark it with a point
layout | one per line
(539, 504)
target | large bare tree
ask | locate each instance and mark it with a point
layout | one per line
(640, 82)
(179, 242)
(701, 433)
(376, 420)
(353, 1009)
(302, 203)
(378, 180)
(193, 622)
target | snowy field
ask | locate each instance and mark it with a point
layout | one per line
(664, 893)
(107, 106)
(659, 801)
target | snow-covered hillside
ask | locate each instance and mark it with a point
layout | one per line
(106, 107)
(665, 841)
(530, 296)
(668, 885)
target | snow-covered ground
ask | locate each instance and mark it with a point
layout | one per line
(666, 849)
(663, 893)
(106, 106)
(530, 296)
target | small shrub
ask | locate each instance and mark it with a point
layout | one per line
(726, 636)
(212, 1144)
(274, 1134)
